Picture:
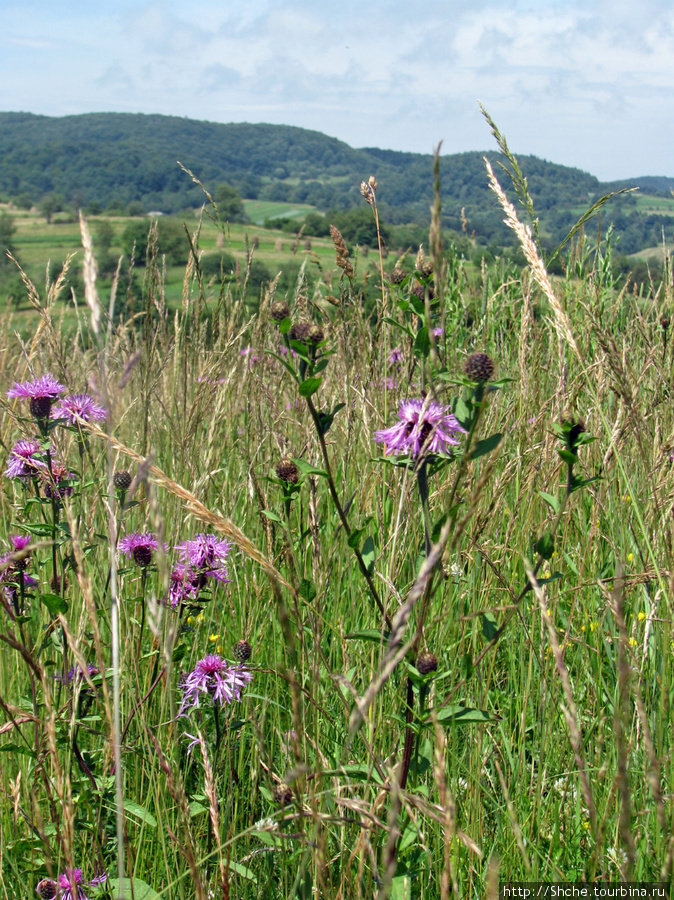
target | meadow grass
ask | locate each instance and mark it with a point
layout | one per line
(537, 749)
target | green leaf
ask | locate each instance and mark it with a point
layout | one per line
(39, 530)
(397, 325)
(550, 500)
(307, 590)
(422, 344)
(141, 889)
(486, 445)
(568, 457)
(54, 603)
(357, 771)
(284, 363)
(489, 626)
(285, 325)
(578, 483)
(243, 871)
(307, 469)
(196, 808)
(272, 516)
(310, 386)
(368, 554)
(368, 634)
(139, 812)
(545, 545)
(457, 714)
(463, 413)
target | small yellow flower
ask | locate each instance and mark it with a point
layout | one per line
(593, 626)
(586, 824)
(213, 638)
(630, 557)
(626, 498)
(582, 628)
(641, 616)
(190, 620)
(219, 648)
(633, 642)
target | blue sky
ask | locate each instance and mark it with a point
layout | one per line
(586, 84)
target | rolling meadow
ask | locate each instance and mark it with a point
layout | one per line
(361, 589)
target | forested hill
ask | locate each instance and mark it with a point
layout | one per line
(111, 161)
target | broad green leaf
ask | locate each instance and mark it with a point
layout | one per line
(368, 634)
(141, 889)
(450, 715)
(422, 344)
(545, 545)
(486, 445)
(272, 516)
(368, 554)
(307, 469)
(489, 626)
(243, 871)
(139, 812)
(54, 603)
(550, 500)
(307, 590)
(310, 386)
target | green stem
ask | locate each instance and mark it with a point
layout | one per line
(342, 514)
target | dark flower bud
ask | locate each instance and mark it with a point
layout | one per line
(242, 651)
(299, 331)
(287, 471)
(122, 480)
(40, 407)
(315, 334)
(397, 275)
(427, 663)
(479, 367)
(279, 310)
(283, 794)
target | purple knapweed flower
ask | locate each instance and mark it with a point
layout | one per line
(395, 356)
(206, 555)
(59, 483)
(421, 426)
(26, 458)
(438, 332)
(78, 407)
(68, 885)
(214, 676)
(42, 392)
(75, 672)
(185, 585)
(139, 547)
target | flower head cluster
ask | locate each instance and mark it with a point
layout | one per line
(68, 885)
(422, 427)
(78, 407)
(139, 547)
(202, 558)
(41, 393)
(60, 483)
(214, 676)
(12, 569)
(26, 459)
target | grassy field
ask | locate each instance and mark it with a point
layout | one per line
(421, 667)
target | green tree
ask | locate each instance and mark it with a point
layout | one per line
(229, 203)
(7, 231)
(51, 203)
(171, 240)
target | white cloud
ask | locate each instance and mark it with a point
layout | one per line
(583, 84)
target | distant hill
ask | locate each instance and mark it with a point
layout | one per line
(120, 161)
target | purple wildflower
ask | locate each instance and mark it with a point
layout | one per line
(139, 547)
(184, 585)
(78, 407)
(59, 484)
(70, 884)
(206, 555)
(421, 426)
(438, 332)
(395, 356)
(75, 673)
(214, 676)
(42, 392)
(25, 460)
